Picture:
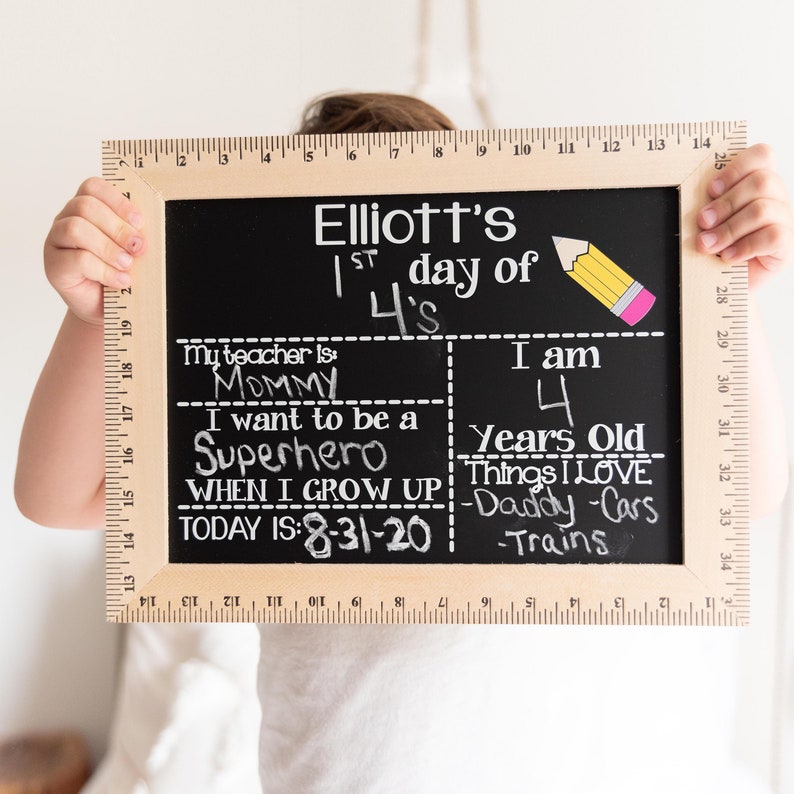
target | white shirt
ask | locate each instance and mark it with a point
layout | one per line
(501, 709)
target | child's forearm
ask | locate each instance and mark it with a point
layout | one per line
(769, 463)
(60, 471)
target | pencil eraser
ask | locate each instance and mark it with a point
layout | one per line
(639, 307)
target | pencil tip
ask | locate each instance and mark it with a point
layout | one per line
(555, 240)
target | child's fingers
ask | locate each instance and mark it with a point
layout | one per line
(769, 246)
(756, 185)
(91, 244)
(72, 267)
(78, 232)
(113, 198)
(757, 158)
(759, 214)
(71, 227)
(94, 238)
(750, 217)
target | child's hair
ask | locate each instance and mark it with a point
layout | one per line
(378, 112)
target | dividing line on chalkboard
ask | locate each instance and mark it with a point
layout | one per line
(335, 506)
(451, 443)
(258, 403)
(561, 456)
(426, 337)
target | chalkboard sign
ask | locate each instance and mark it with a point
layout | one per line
(428, 378)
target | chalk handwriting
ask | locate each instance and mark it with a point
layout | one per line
(533, 505)
(327, 455)
(318, 384)
(591, 542)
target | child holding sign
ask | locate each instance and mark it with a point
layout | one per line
(374, 708)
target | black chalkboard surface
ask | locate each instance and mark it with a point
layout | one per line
(440, 391)
(430, 377)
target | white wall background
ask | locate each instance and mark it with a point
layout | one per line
(75, 73)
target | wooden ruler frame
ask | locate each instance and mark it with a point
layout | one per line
(711, 587)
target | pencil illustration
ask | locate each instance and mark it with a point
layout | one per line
(603, 279)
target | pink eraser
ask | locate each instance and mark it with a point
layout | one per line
(639, 307)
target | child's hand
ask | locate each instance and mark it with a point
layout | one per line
(750, 217)
(91, 244)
